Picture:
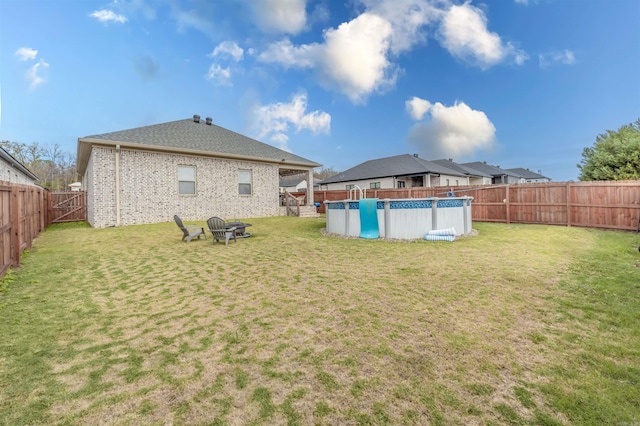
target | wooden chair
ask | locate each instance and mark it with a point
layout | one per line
(220, 230)
(189, 232)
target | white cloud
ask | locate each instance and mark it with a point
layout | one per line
(417, 107)
(220, 76)
(352, 59)
(358, 57)
(106, 16)
(455, 131)
(26, 54)
(565, 57)
(520, 56)
(280, 16)
(228, 49)
(408, 19)
(275, 120)
(286, 54)
(525, 2)
(464, 33)
(34, 74)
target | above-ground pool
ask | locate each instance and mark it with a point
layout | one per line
(403, 219)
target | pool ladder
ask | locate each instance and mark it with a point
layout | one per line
(359, 191)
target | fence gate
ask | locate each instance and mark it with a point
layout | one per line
(68, 206)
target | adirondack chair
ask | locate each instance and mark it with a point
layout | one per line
(220, 230)
(190, 231)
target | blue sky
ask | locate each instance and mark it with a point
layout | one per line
(516, 83)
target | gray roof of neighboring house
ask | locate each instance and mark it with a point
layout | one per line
(190, 137)
(9, 159)
(468, 171)
(527, 174)
(399, 165)
(483, 167)
(287, 181)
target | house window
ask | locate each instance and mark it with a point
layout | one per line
(457, 182)
(348, 187)
(244, 182)
(447, 182)
(401, 184)
(374, 185)
(187, 180)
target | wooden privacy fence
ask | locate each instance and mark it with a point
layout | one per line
(24, 214)
(68, 206)
(608, 205)
(25, 211)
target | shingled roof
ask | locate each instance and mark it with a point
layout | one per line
(190, 137)
(490, 170)
(293, 180)
(467, 171)
(527, 174)
(399, 165)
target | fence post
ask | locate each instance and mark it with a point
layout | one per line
(41, 210)
(568, 204)
(27, 218)
(15, 226)
(507, 201)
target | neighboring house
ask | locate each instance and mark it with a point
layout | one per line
(75, 186)
(529, 176)
(13, 171)
(191, 168)
(498, 175)
(295, 183)
(400, 171)
(476, 177)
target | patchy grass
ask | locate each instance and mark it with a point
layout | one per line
(518, 325)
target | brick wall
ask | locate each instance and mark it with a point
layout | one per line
(13, 175)
(99, 182)
(149, 188)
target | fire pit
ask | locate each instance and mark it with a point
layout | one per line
(240, 228)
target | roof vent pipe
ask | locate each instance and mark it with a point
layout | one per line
(209, 120)
(415, 155)
(196, 118)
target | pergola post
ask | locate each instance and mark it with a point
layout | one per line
(310, 200)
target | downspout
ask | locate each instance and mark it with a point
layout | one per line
(118, 185)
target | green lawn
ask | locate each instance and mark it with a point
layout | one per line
(517, 325)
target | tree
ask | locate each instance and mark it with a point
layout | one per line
(55, 169)
(17, 150)
(614, 156)
(324, 173)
